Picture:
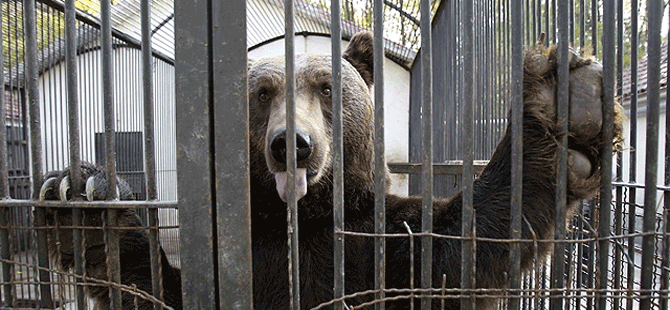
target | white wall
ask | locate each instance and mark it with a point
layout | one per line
(396, 99)
(640, 151)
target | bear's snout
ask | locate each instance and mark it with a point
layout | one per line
(304, 145)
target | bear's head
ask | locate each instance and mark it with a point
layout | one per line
(313, 120)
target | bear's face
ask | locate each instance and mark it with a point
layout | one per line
(313, 118)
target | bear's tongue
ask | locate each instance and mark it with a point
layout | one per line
(300, 184)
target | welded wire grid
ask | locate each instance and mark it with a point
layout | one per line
(35, 72)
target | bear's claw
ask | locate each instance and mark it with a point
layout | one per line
(47, 186)
(58, 186)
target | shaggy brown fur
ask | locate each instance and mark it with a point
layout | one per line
(492, 189)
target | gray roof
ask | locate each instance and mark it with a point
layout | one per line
(642, 74)
(265, 22)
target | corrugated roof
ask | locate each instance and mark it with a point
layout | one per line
(265, 22)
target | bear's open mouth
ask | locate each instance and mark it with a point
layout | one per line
(281, 178)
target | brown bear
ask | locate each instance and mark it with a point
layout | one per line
(492, 190)
(267, 133)
(133, 243)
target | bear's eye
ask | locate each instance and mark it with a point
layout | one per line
(326, 91)
(263, 95)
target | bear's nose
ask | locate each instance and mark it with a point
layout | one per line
(278, 145)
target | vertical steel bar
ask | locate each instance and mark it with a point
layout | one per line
(548, 33)
(594, 26)
(338, 152)
(553, 20)
(632, 174)
(592, 208)
(73, 113)
(112, 242)
(517, 153)
(294, 262)
(6, 291)
(572, 22)
(149, 149)
(562, 100)
(467, 106)
(194, 119)
(380, 162)
(655, 18)
(427, 169)
(582, 19)
(618, 213)
(231, 114)
(609, 61)
(536, 21)
(665, 256)
(36, 145)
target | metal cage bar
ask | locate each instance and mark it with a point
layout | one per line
(149, 149)
(468, 249)
(6, 299)
(562, 101)
(609, 70)
(380, 162)
(427, 148)
(517, 154)
(630, 268)
(193, 55)
(33, 95)
(73, 130)
(338, 155)
(654, 15)
(291, 162)
(112, 248)
(230, 116)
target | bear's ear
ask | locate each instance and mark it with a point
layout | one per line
(359, 53)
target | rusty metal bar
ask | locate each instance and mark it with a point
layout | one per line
(112, 239)
(609, 62)
(36, 141)
(427, 127)
(618, 213)
(338, 153)
(582, 19)
(149, 150)
(194, 119)
(6, 297)
(594, 26)
(291, 163)
(516, 206)
(562, 101)
(467, 105)
(632, 165)
(655, 18)
(665, 256)
(73, 114)
(231, 114)
(380, 162)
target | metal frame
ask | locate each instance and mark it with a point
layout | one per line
(214, 174)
